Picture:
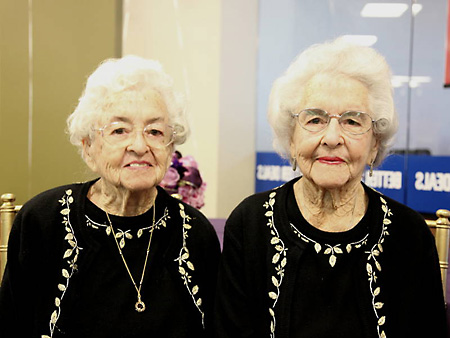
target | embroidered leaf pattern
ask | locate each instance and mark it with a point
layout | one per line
(70, 256)
(65, 211)
(275, 258)
(54, 317)
(318, 247)
(332, 250)
(126, 235)
(338, 250)
(68, 253)
(373, 260)
(190, 265)
(184, 264)
(279, 260)
(332, 260)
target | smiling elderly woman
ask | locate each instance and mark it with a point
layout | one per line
(117, 256)
(324, 255)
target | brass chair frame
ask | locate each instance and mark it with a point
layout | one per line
(441, 230)
(7, 211)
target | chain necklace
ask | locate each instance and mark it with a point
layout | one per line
(139, 306)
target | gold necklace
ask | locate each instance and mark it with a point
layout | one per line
(139, 306)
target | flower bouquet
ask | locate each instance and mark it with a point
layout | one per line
(183, 180)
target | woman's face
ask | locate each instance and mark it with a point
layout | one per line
(332, 158)
(133, 164)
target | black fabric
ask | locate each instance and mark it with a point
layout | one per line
(100, 297)
(326, 297)
(408, 299)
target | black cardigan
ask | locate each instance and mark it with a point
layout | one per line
(399, 271)
(65, 278)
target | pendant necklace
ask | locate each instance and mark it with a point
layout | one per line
(139, 306)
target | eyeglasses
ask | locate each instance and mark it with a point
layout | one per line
(157, 135)
(316, 119)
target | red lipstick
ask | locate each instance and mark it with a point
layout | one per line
(330, 160)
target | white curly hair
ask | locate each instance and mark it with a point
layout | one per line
(131, 75)
(336, 58)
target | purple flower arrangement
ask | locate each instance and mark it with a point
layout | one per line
(183, 180)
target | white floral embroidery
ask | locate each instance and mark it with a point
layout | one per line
(331, 250)
(372, 261)
(123, 235)
(71, 257)
(279, 260)
(185, 265)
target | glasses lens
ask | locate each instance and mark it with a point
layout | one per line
(117, 133)
(158, 134)
(355, 122)
(122, 134)
(313, 119)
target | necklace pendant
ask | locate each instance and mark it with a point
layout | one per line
(139, 306)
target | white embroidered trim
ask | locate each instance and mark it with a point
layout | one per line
(279, 260)
(372, 261)
(123, 235)
(71, 254)
(331, 250)
(185, 265)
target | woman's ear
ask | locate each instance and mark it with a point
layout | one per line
(87, 154)
(374, 150)
(171, 150)
(292, 150)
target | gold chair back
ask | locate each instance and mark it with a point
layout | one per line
(7, 211)
(441, 230)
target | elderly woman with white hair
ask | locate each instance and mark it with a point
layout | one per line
(116, 256)
(324, 255)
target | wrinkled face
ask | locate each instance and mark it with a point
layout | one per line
(134, 164)
(332, 158)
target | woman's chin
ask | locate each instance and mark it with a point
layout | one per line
(331, 182)
(139, 185)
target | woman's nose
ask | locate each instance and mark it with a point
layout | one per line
(333, 134)
(138, 142)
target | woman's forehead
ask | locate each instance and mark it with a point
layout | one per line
(131, 105)
(335, 92)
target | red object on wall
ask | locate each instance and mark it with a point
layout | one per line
(447, 50)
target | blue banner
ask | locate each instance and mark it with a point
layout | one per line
(420, 181)
(388, 178)
(428, 184)
(272, 171)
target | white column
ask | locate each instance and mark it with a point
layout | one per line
(209, 48)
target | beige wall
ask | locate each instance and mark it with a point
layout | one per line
(48, 47)
(209, 47)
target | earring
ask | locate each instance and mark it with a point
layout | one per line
(371, 169)
(294, 164)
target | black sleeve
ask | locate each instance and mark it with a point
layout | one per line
(210, 252)
(18, 290)
(233, 314)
